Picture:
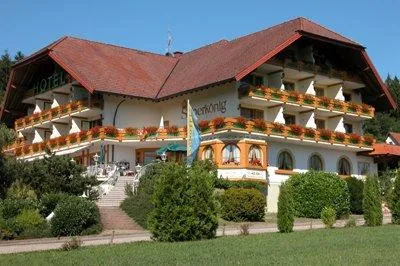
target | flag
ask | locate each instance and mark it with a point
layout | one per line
(193, 135)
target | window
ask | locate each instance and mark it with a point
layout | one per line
(47, 134)
(251, 113)
(208, 153)
(320, 123)
(344, 167)
(285, 161)
(289, 119)
(166, 123)
(319, 92)
(46, 105)
(289, 86)
(231, 154)
(315, 163)
(347, 96)
(348, 127)
(363, 168)
(254, 80)
(255, 157)
(85, 125)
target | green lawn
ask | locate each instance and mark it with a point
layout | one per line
(366, 246)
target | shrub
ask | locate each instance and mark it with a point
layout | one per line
(245, 229)
(28, 219)
(351, 222)
(242, 204)
(328, 216)
(372, 202)
(72, 243)
(314, 190)
(285, 210)
(18, 190)
(184, 207)
(139, 205)
(13, 207)
(395, 200)
(356, 187)
(225, 184)
(49, 201)
(73, 215)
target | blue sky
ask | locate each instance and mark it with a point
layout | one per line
(30, 25)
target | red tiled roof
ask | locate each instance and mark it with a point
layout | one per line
(395, 136)
(109, 68)
(381, 149)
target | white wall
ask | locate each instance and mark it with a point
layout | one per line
(335, 92)
(335, 124)
(306, 86)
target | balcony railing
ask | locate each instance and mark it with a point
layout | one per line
(216, 126)
(54, 113)
(303, 99)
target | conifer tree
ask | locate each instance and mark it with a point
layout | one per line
(285, 210)
(395, 200)
(372, 202)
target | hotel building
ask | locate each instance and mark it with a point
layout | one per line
(283, 100)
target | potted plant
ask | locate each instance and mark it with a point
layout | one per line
(240, 122)
(73, 138)
(276, 94)
(295, 130)
(338, 105)
(366, 109)
(277, 128)
(150, 131)
(325, 134)
(61, 141)
(294, 96)
(354, 138)
(172, 131)
(309, 133)
(218, 122)
(111, 131)
(368, 140)
(131, 132)
(259, 125)
(324, 102)
(204, 126)
(308, 99)
(35, 147)
(95, 132)
(352, 107)
(340, 137)
(83, 135)
(19, 122)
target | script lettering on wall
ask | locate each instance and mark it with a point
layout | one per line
(206, 109)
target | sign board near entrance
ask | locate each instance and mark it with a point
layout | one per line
(57, 79)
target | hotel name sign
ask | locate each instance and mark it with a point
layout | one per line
(206, 109)
(57, 79)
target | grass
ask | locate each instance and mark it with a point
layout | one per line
(361, 246)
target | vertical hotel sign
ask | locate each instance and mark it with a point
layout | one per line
(57, 79)
(193, 135)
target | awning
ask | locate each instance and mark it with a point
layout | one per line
(383, 149)
(172, 147)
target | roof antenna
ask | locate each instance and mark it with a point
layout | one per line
(169, 44)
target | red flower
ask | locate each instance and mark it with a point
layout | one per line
(368, 140)
(325, 134)
(352, 107)
(73, 138)
(240, 122)
(111, 131)
(337, 104)
(259, 124)
(324, 101)
(95, 131)
(219, 122)
(309, 132)
(365, 108)
(294, 96)
(131, 131)
(83, 135)
(150, 131)
(295, 130)
(172, 130)
(61, 141)
(339, 136)
(204, 125)
(277, 127)
(354, 138)
(308, 99)
(26, 149)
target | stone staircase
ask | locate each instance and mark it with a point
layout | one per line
(117, 193)
(113, 218)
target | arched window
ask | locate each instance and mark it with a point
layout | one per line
(255, 155)
(285, 161)
(344, 166)
(231, 154)
(315, 163)
(208, 153)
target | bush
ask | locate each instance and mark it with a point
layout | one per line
(72, 243)
(184, 208)
(285, 210)
(312, 191)
(139, 205)
(356, 187)
(13, 207)
(73, 215)
(385, 181)
(28, 219)
(328, 216)
(395, 200)
(372, 202)
(226, 184)
(351, 222)
(242, 204)
(49, 201)
(18, 190)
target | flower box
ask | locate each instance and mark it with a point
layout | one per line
(294, 96)
(131, 132)
(338, 105)
(26, 149)
(325, 134)
(366, 109)
(308, 99)
(18, 151)
(218, 122)
(295, 130)
(204, 126)
(258, 92)
(354, 138)
(95, 132)
(83, 135)
(255, 162)
(35, 147)
(62, 141)
(240, 122)
(278, 128)
(259, 125)
(73, 138)
(276, 95)
(111, 131)
(368, 140)
(172, 131)
(340, 137)
(309, 133)
(55, 112)
(324, 102)
(150, 132)
(352, 107)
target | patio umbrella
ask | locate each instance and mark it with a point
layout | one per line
(174, 147)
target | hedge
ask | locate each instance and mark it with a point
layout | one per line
(313, 190)
(356, 187)
(243, 204)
